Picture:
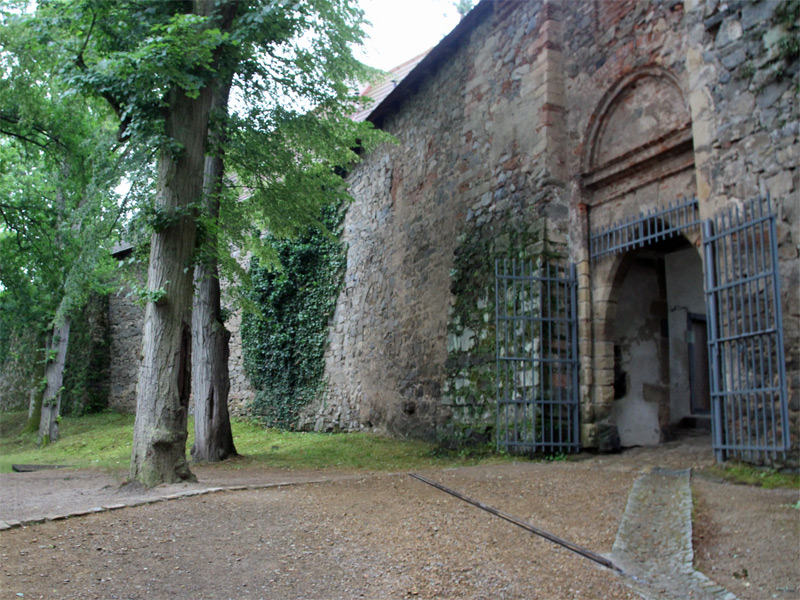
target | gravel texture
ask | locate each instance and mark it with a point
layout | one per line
(373, 537)
(323, 535)
(748, 539)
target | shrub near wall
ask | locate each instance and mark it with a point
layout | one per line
(20, 369)
(284, 338)
(86, 373)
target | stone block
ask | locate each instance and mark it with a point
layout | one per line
(55, 517)
(588, 435)
(781, 185)
(729, 31)
(604, 362)
(604, 391)
(757, 13)
(731, 60)
(772, 92)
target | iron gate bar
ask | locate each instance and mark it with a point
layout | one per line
(536, 350)
(640, 230)
(520, 523)
(745, 333)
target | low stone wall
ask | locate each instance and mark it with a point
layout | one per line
(126, 319)
(241, 392)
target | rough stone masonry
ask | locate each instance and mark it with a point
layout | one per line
(530, 126)
(527, 130)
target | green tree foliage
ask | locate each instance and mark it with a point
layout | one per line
(155, 64)
(463, 7)
(59, 164)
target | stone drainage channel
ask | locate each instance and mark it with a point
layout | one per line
(652, 551)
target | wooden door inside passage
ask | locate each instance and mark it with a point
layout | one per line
(698, 365)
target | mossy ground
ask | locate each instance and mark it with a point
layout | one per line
(735, 472)
(103, 440)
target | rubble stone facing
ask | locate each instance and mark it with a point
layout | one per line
(472, 148)
(751, 114)
(517, 122)
(126, 319)
(240, 392)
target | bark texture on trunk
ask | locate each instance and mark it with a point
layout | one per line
(212, 427)
(162, 394)
(213, 439)
(54, 376)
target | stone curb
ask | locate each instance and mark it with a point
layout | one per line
(14, 524)
(666, 508)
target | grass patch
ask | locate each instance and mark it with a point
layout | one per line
(344, 451)
(757, 476)
(101, 440)
(104, 440)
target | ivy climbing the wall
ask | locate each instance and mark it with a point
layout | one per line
(284, 337)
(470, 384)
(87, 373)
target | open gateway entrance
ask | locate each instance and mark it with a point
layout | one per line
(663, 294)
(659, 344)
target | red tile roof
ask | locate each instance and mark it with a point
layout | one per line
(379, 90)
(395, 92)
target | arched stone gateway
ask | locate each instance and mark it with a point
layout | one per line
(695, 331)
(685, 326)
(639, 137)
(638, 163)
(655, 310)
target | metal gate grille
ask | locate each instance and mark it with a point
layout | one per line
(652, 226)
(745, 338)
(537, 357)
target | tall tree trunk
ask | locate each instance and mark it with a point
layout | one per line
(36, 393)
(55, 349)
(54, 376)
(162, 394)
(213, 439)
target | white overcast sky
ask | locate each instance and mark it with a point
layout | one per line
(402, 29)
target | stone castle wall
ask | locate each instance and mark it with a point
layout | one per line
(744, 97)
(472, 150)
(126, 319)
(566, 117)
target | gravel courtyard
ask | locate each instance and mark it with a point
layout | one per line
(336, 535)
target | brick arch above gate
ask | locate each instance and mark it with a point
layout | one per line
(640, 132)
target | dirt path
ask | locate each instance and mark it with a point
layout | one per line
(381, 536)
